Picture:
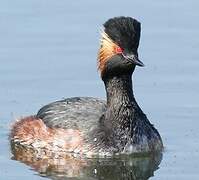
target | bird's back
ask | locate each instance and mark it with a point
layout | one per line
(82, 113)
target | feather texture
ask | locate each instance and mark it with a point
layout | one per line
(107, 50)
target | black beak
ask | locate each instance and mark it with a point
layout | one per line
(134, 59)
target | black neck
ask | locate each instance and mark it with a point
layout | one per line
(118, 89)
(121, 106)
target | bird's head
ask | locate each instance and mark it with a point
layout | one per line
(118, 47)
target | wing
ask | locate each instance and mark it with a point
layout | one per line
(78, 113)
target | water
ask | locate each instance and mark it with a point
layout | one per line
(48, 51)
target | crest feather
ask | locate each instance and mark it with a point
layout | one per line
(106, 51)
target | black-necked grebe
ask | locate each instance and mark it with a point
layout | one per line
(85, 125)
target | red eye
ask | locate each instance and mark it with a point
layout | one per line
(119, 50)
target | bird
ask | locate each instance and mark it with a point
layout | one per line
(92, 126)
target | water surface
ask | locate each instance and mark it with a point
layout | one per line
(48, 51)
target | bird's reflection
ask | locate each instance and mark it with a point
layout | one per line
(132, 167)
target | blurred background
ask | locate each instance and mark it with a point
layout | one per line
(48, 51)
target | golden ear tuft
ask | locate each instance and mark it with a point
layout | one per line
(106, 51)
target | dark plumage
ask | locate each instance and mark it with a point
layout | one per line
(79, 113)
(104, 128)
(125, 31)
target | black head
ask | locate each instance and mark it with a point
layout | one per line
(119, 44)
(124, 31)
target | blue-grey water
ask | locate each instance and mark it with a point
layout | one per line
(48, 51)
